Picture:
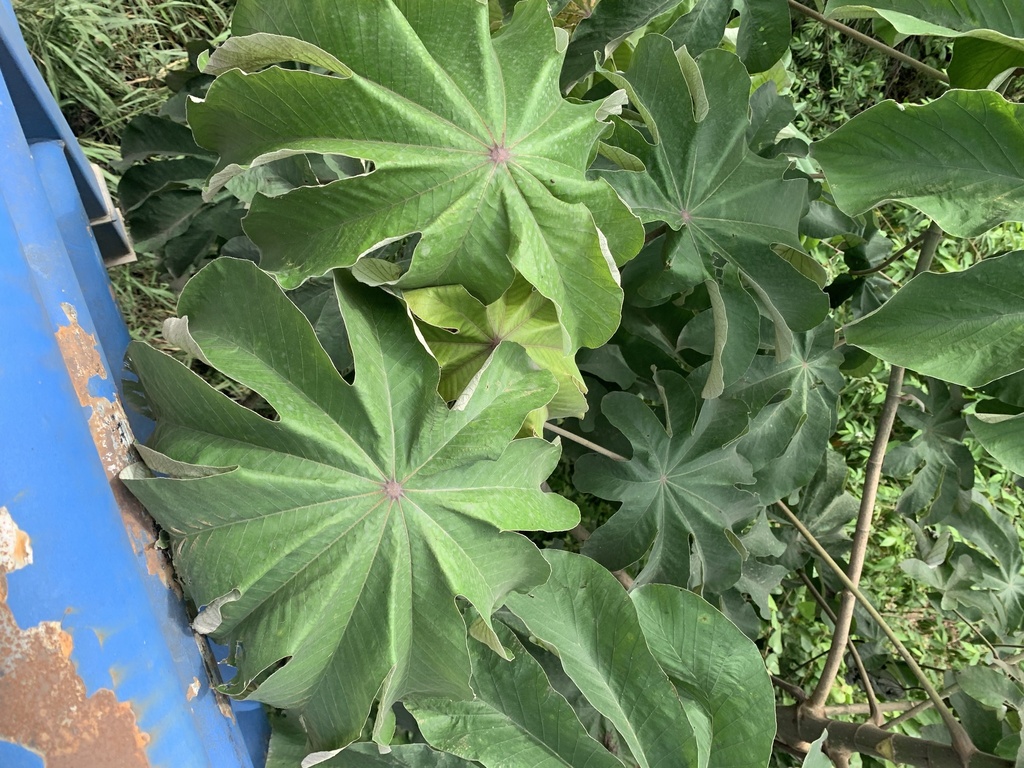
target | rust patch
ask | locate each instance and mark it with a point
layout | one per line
(193, 690)
(15, 546)
(142, 535)
(43, 701)
(107, 423)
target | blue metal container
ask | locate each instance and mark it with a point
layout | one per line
(98, 665)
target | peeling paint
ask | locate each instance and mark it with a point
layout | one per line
(142, 535)
(15, 545)
(43, 703)
(108, 423)
(193, 690)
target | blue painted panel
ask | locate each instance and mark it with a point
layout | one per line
(89, 573)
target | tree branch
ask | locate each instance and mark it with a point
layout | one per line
(872, 478)
(961, 740)
(873, 705)
(892, 259)
(878, 45)
(797, 727)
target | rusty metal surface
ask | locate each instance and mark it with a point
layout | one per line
(43, 701)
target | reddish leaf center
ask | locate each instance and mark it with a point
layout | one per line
(687, 216)
(499, 154)
(393, 490)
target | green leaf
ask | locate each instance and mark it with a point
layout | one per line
(714, 665)
(613, 667)
(964, 327)
(679, 484)
(999, 21)
(516, 718)
(916, 155)
(717, 197)
(1002, 436)
(795, 405)
(369, 507)
(981, 63)
(936, 456)
(763, 37)
(140, 182)
(472, 146)
(148, 135)
(162, 217)
(600, 32)
(406, 756)
(521, 315)
(816, 757)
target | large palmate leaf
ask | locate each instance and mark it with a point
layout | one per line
(681, 483)
(614, 667)
(334, 540)
(964, 327)
(717, 197)
(714, 664)
(473, 332)
(516, 718)
(942, 466)
(472, 146)
(958, 160)
(795, 405)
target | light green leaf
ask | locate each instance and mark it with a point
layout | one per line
(614, 667)
(713, 664)
(1002, 436)
(521, 316)
(816, 757)
(737, 332)
(404, 756)
(368, 507)
(958, 160)
(964, 327)
(717, 197)
(680, 483)
(515, 720)
(471, 143)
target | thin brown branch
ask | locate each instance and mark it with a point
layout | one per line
(873, 704)
(655, 233)
(961, 740)
(865, 709)
(878, 45)
(795, 691)
(892, 259)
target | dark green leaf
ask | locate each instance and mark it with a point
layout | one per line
(719, 199)
(614, 667)
(965, 327)
(915, 155)
(681, 483)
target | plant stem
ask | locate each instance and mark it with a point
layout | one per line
(797, 727)
(872, 478)
(864, 709)
(795, 691)
(878, 45)
(961, 740)
(873, 705)
(584, 442)
(892, 259)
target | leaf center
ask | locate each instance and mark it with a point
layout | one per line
(687, 216)
(499, 154)
(393, 490)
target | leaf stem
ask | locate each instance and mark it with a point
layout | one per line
(878, 45)
(584, 442)
(892, 259)
(961, 740)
